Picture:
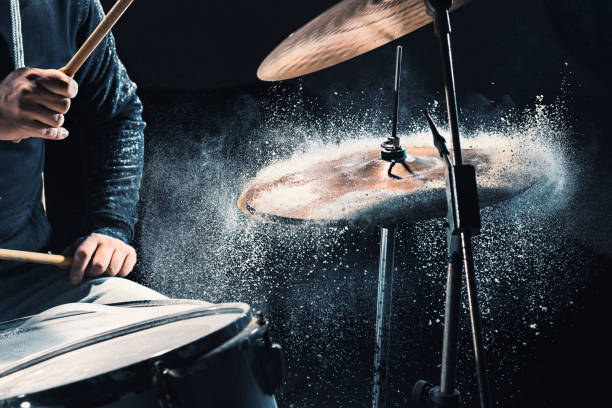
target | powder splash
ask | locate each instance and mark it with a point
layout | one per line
(318, 283)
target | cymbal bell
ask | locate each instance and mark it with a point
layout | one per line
(348, 29)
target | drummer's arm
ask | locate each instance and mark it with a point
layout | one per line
(113, 149)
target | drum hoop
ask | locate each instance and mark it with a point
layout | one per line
(159, 302)
(118, 332)
(134, 303)
(252, 330)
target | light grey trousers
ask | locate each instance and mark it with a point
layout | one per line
(28, 290)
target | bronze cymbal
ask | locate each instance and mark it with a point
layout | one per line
(348, 29)
(353, 187)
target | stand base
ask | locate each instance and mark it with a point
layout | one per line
(427, 395)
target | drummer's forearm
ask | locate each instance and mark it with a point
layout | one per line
(115, 153)
(113, 183)
(114, 145)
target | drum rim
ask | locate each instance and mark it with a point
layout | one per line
(208, 342)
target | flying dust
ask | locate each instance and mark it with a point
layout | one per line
(317, 283)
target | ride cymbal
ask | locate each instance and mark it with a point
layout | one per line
(349, 29)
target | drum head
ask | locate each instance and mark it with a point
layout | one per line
(77, 342)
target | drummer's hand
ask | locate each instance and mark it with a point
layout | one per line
(33, 103)
(99, 255)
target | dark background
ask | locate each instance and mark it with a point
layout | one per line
(209, 121)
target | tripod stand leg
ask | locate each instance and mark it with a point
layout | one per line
(451, 317)
(383, 316)
(479, 353)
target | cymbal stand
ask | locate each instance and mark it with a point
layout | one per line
(386, 266)
(391, 150)
(463, 222)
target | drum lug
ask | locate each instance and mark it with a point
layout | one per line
(269, 362)
(160, 371)
(275, 368)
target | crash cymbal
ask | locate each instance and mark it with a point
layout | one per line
(351, 185)
(349, 29)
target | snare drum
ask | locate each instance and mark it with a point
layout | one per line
(142, 354)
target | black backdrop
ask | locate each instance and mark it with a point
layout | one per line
(195, 63)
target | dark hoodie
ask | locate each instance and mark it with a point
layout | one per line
(105, 125)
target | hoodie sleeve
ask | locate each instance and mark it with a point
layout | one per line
(113, 142)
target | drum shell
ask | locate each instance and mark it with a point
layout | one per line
(231, 376)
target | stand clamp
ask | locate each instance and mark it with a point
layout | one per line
(461, 192)
(394, 155)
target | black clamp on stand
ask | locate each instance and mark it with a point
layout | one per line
(463, 213)
(463, 222)
(391, 150)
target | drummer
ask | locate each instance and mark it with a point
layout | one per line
(33, 105)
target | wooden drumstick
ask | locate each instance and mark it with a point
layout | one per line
(96, 36)
(60, 261)
(94, 39)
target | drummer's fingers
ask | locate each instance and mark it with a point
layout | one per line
(34, 128)
(55, 102)
(57, 82)
(43, 114)
(129, 263)
(101, 260)
(117, 261)
(81, 259)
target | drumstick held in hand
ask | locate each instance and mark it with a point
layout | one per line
(96, 36)
(60, 261)
(94, 39)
